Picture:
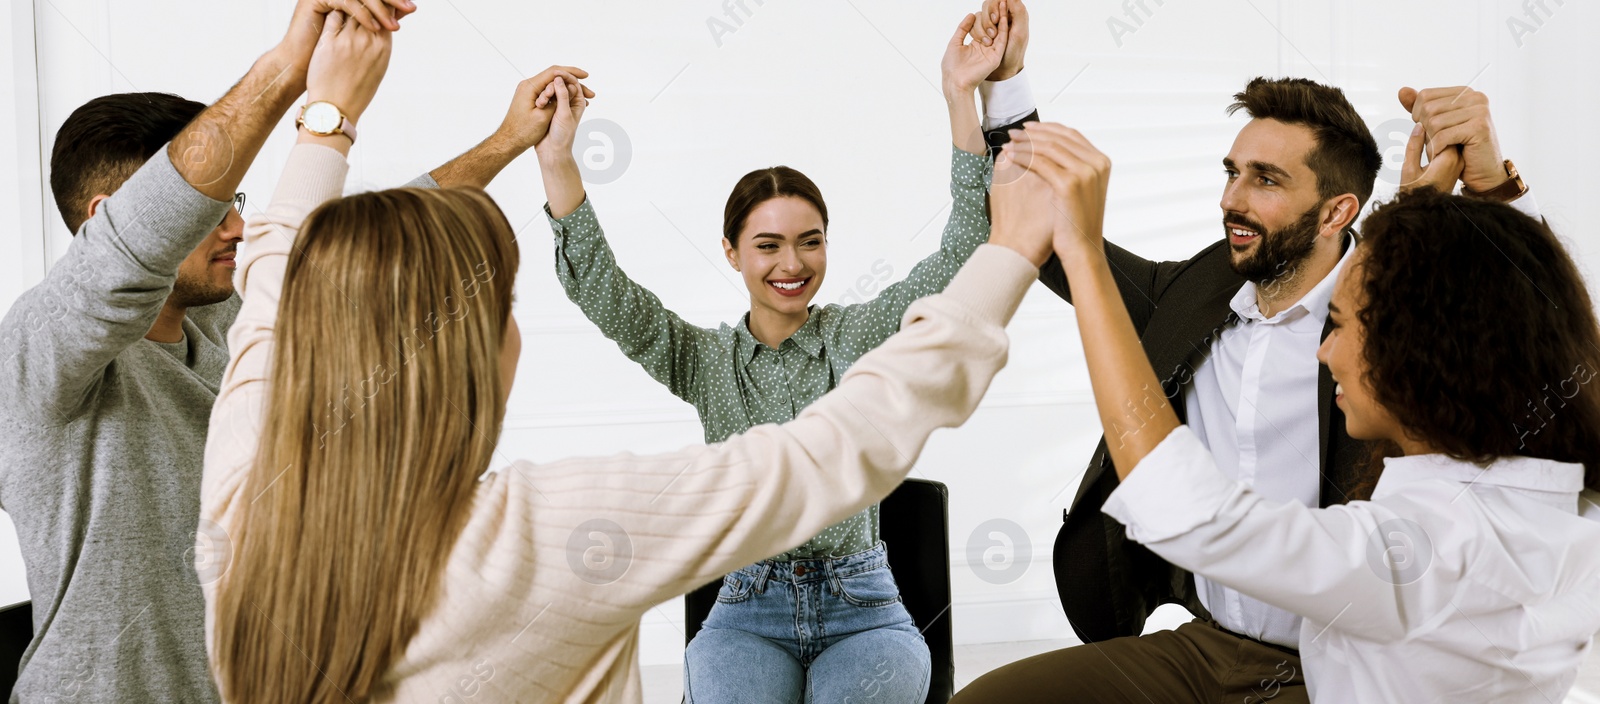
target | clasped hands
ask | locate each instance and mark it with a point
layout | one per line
(350, 54)
(1455, 132)
(1049, 195)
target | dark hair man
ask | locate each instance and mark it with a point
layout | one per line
(109, 366)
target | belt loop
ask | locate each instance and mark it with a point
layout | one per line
(761, 579)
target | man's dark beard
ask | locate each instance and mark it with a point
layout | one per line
(1277, 253)
(195, 293)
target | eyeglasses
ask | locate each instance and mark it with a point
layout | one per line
(238, 205)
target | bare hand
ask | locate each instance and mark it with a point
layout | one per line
(1019, 205)
(1079, 175)
(965, 65)
(533, 107)
(374, 15)
(1016, 44)
(306, 25)
(1459, 117)
(569, 103)
(1441, 172)
(348, 65)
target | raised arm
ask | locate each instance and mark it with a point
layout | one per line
(107, 291)
(865, 325)
(1134, 411)
(773, 487)
(694, 515)
(525, 125)
(350, 63)
(657, 339)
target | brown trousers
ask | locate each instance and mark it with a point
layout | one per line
(1197, 662)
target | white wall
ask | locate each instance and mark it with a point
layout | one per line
(843, 90)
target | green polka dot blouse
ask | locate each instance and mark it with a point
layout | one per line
(736, 382)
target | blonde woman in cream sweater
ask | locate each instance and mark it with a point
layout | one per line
(352, 545)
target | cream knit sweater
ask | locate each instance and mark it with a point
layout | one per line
(543, 591)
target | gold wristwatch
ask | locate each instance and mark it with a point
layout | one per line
(1506, 192)
(325, 119)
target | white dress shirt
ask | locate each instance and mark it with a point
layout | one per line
(1455, 583)
(1253, 403)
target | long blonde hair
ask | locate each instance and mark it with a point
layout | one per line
(384, 408)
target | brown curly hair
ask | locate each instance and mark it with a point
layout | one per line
(1480, 335)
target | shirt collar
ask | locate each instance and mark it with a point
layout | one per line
(807, 338)
(1526, 473)
(1314, 303)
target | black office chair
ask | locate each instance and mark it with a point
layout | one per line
(915, 528)
(16, 631)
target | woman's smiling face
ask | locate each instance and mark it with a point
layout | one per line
(782, 254)
(1343, 351)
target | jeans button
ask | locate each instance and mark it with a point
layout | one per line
(800, 570)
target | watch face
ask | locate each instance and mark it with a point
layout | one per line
(322, 118)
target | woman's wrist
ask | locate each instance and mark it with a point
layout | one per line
(1083, 262)
(966, 130)
(554, 157)
(953, 91)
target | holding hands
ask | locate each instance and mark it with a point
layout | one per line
(1457, 135)
(566, 100)
(534, 106)
(310, 18)
(347, 65)
(966, 64)
(1015, 41)
(1073, 176)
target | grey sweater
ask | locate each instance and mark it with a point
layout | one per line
(102, 435)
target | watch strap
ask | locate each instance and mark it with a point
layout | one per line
(346, 127)
(1510, 190)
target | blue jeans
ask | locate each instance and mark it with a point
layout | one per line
(829, 631)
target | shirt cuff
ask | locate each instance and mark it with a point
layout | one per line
(313, 175)
(579, 221)
(423, 181)
(992, 282)
(969, 171)
(1528, 205)
(1007, 101)
(1173, 490)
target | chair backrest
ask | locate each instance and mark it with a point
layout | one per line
(16, 631)
(915, 528)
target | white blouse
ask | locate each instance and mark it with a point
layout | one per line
(1455, 583)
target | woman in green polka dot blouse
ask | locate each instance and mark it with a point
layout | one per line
(822, 622)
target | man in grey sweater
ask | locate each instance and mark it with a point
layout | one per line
(110, 365)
